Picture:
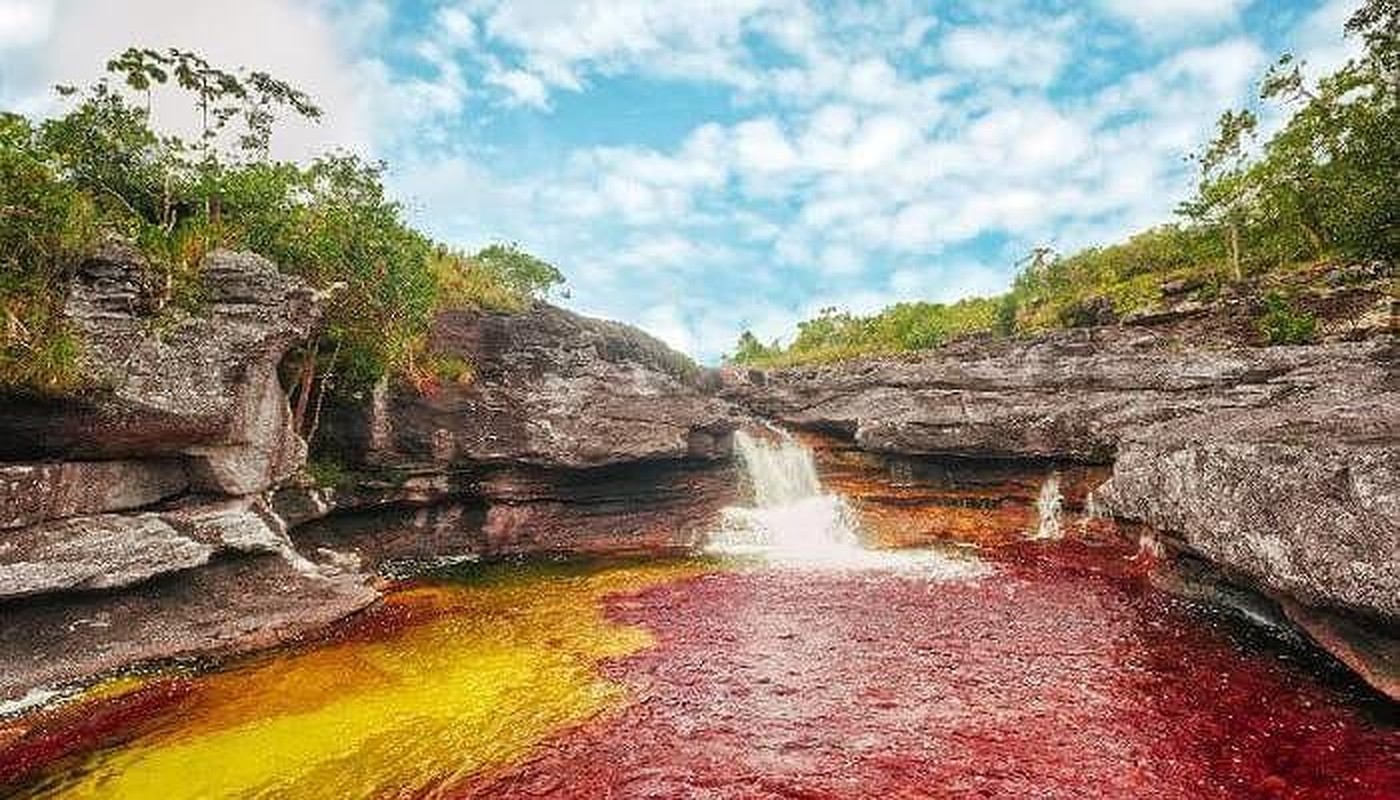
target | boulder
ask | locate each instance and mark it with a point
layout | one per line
(199, 385)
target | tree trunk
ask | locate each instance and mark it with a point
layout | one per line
(305, 379)
(326, 381)
(1235, 251)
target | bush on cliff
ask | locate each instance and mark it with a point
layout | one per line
(102, 169)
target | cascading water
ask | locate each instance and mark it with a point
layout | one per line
(792, 518)
(795, 521)
(1048, 506)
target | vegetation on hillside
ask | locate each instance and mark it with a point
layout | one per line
(1326, 185)
(102, 170)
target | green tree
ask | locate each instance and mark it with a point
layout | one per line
(1225, 192)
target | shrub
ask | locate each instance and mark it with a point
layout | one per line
(1282, 323)
(101, 169)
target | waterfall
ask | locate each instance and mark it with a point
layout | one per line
(794, 521)
(1047, 506)
(792, 517)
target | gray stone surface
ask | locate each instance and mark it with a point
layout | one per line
(1302, 497)
(35, 492)
(168, 383)
(228, 606)
(101, 552)
(550, 388)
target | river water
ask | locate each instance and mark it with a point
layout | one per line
(764, 669)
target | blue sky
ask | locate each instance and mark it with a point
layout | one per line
(698, 168)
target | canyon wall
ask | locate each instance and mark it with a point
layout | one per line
(1278, 466)
(571, 435)
(163, 512)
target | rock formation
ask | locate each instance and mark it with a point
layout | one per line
(149, 483)
(571, 435)
(1278, 465)
(148, 517)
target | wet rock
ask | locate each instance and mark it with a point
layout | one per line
(35, 492)
(1368, 650)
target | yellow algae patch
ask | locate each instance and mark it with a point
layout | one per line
(478, 675)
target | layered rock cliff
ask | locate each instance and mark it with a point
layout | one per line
(162, 512)
(571, 435)
(135, 514)
(1279, 466)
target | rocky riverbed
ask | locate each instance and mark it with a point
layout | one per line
(166, 511)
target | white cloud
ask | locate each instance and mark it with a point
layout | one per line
(762, 147)
(457, 27)
(563, 42)
(1016, 55)
(1167, 17)
(523, 87)
(23, 22)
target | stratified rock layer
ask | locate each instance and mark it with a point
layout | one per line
(547, 387)
(1278, 465)
(573, 435)
(132, 524)
(201, 387)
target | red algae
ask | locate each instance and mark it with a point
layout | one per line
(1058, 673)
(1064, 674)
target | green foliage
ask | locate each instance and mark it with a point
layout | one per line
(326, 471)
(46, 226)
(521, 272)
(749, 350)
(1129, 275)
(1283, 323)
(835, 335)
(1326, 182)
(101, 169)
(450, 369)
(497, 278)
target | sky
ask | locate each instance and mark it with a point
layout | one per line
(702, 167)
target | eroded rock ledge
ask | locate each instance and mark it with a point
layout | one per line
(572, 435)
(164, 513)
(1279, 465)
(133, 518)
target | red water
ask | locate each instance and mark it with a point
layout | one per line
(1064, 675)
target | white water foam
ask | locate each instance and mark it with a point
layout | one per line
(1048, 506)
(795, 522)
